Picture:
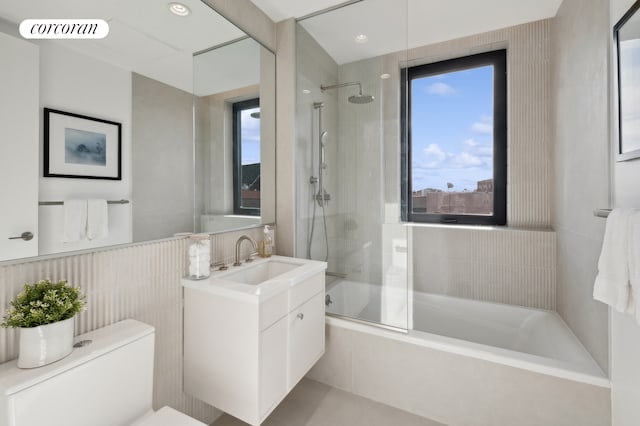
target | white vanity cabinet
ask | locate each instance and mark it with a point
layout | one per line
(247, 345)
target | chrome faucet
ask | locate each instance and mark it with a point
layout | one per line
(238, 243)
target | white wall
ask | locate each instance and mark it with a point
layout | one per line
(76, 83)
(581, 172)
(625, 333)
(286, 136)
(19, 118)
(163, 154)
(585, 125)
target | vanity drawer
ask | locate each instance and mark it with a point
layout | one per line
(303, 291)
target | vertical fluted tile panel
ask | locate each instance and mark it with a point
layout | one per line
(513, 266)
(138, 281)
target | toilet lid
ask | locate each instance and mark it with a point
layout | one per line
(167, 416)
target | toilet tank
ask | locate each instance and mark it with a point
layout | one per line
(108, 382)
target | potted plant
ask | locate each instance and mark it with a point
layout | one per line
(44, 312)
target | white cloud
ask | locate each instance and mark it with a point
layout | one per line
(435, 150)
(464, 160)
(442, 89)
(471, 143)
(434, 156)
(482, 128)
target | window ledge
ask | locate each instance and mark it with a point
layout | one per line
(493, 228)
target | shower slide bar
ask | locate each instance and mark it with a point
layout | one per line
(601, 212)
(60, 203)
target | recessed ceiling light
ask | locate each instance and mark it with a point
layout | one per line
(306, 91)
(385, 76)
(179, 9)
(361, 38)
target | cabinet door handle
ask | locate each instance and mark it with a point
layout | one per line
(300, 315)
(26, 236)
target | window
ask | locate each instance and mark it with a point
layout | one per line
(455, 145)
(246, 157)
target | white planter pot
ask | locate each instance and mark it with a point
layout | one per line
(45, 344)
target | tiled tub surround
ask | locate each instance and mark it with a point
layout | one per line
(492, 264)
(452, 382)
(139, 281)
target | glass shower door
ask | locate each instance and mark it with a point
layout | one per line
(348, 180)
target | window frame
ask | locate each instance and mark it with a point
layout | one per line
(498, 59)
(237, 108)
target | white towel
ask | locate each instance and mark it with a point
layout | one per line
(634, 263)
(97, 220)
(75, 220)
(612, 283)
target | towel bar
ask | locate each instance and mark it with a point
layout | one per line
(59, 203)
(601, 212)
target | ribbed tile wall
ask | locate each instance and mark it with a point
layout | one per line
(513, 266)
(138, 281)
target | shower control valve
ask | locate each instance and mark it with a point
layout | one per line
(313, 180)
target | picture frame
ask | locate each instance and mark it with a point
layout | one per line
(81, 147)
(626, 39)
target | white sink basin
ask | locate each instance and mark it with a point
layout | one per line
(258, 280)
(260, 272)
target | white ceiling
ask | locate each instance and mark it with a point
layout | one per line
(395, 25)
(228, 67)
(143, 35)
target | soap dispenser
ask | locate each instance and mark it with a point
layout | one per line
(266, 245)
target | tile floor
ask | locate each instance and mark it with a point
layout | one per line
(312, 403)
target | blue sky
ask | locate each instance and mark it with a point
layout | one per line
(452, 129)
(250, 137)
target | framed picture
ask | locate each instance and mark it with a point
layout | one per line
(77, 146)
(626, 37)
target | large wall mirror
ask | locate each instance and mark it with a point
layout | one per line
(194, 156)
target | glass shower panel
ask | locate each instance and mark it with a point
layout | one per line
(348, 160)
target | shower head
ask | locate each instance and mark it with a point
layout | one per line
(361, 99)
(355, 99)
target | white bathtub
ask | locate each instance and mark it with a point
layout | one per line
(533, 339)
(462, 362)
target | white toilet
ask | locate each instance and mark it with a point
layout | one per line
(106, 382)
